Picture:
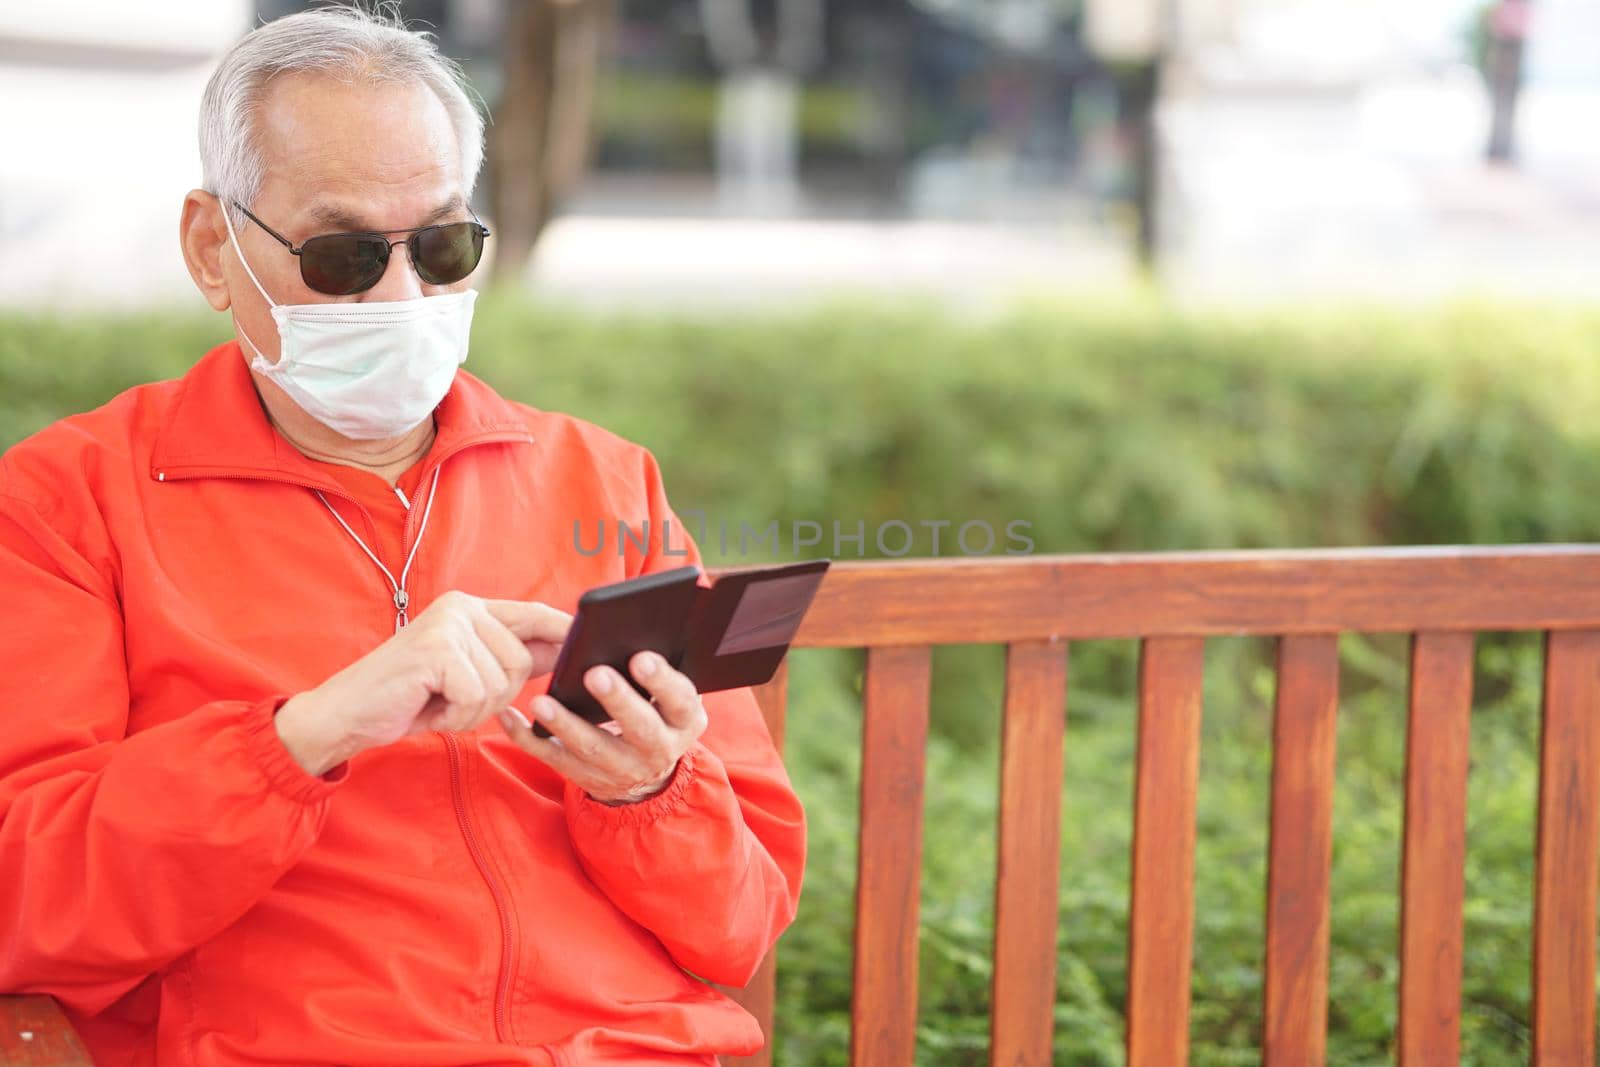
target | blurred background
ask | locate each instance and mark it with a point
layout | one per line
(719, 151)
(1144, 274)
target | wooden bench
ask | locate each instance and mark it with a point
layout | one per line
(1171, 603)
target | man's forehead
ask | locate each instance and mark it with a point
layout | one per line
(359, 156)
(352, 214)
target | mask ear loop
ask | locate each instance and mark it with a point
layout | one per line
(239, 251)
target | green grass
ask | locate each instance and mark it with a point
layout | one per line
(1117, 424)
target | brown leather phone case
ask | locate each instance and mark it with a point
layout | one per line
(731, 633)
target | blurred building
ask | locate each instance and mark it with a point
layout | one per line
(769, 149)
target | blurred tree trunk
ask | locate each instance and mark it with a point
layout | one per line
(1141, 93)
(542, 134)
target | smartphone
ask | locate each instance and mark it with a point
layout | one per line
(614, 622)
(731, 633)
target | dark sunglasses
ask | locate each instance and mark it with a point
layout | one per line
(343, 263)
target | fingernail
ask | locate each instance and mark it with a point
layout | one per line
(646, 664)
(600, 680)
(512, 715)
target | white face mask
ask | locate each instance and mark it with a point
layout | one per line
(368, 371)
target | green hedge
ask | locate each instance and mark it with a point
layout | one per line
(1107, 425)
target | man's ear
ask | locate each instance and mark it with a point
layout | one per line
(201, 233)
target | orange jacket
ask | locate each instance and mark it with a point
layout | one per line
(192, 896)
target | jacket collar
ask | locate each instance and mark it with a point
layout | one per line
(217, 427)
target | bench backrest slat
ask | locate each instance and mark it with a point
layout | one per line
(1161, 912)
(889, 869)
(1438, 730)
(1300, 852)
(1564, 893)
(1027, 905)
(1381, 590)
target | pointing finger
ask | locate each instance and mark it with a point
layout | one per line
(530, 620)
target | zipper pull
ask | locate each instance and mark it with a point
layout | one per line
(401, 599)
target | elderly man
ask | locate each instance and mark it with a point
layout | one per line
(261, 800)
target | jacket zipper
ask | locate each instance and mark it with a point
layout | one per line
(402, 599)
(502, 994)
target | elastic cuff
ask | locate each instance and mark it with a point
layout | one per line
(691, 766)
(277, 766)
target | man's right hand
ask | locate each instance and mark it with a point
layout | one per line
(461, 659)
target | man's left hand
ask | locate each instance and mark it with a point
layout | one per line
(631, 758)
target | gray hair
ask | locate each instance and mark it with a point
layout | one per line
(350, 43)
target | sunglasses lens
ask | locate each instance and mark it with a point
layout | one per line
(445, 254)
(343, 263)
